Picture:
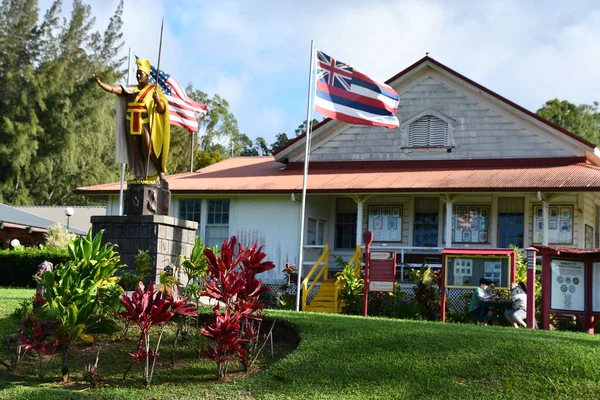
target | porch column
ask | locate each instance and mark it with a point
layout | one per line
(545, 222)
(448, 229)
(359, 221)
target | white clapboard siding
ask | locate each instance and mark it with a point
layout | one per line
(478, 130)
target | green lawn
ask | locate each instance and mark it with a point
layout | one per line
(342, 357)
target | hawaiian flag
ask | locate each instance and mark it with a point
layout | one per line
(345, 94)
(182, 109)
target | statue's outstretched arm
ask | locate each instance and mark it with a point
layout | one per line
(106, 87)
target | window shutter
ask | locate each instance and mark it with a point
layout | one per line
(438, 132)
(428, 131)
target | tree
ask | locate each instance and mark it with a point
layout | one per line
(51, 110)
(19, 125)
(217, 139)
(261, 146)
(204, 159)
(583, 120)
(180, 155)
(280, 140)
(302, 127)
(241, 145)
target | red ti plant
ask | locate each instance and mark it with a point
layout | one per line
(43, 341)
(149, 308)
(233, 283)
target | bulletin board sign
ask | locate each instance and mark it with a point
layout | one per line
(386, 223)
(567, 285)
(465, 271)
(382, 272)
(596, 287)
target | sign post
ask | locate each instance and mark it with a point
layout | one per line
(368, 239)
(531, 256)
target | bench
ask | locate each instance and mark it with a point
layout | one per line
(499, 307)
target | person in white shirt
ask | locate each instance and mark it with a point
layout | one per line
(517, 314)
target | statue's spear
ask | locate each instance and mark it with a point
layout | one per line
(155, 89)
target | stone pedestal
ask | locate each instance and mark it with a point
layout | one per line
(147, 197)
(165, 238)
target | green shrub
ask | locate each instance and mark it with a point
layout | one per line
(350, 284)
(18, 266)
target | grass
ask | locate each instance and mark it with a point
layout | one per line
(357, 358)
(10, 298)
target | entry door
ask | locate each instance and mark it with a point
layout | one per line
(511, 221)
(427, 222)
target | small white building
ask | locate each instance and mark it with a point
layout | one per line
(467, 168)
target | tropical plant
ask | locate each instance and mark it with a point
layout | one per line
(143, 264)
(43, 340)
(147, 309)
(143, 269)
(57, 238)
(350, 284)
(427, 292)
(195, 266)
(521, 276)
(234, 285)
(73, 291)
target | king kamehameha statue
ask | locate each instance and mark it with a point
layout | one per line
(146, 123)
(143, 122)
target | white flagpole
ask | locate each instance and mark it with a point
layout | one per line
(123, 164)
(192, 155)
(305, 176)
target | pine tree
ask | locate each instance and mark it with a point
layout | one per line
(19, 125)
(76, 146)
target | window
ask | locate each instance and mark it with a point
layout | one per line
(386, 223)
(321, 233)
(345, 224)
(510, 221)
(217, 222)
(426, 223)
(470, 224)
(428, 131)
(560, 224)
(190, 210)
(314, 232)
(589, 237)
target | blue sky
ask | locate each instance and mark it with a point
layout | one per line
(255, 54)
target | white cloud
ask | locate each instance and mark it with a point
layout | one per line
(255, 54)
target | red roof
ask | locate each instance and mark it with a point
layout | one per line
(265, 175)
(567, 251)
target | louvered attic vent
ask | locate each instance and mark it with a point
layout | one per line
(428, 131)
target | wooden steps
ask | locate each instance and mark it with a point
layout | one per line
(324, 300)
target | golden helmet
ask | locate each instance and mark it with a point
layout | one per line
(143, 65)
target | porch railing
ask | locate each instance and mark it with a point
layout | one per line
(321, 275)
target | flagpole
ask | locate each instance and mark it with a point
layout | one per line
(305, 176)
(192, 155)
(123, 164)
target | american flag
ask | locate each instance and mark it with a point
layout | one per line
(182, 109)
(345, 94)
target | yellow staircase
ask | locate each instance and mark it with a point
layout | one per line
(325, 299)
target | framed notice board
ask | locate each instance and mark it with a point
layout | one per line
(465, 271)
(567, 285)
